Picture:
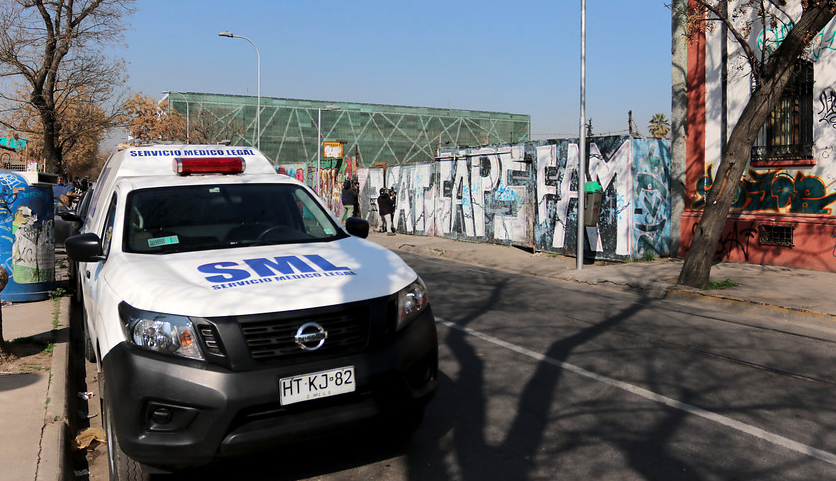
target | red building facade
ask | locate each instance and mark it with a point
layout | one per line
(783, 212)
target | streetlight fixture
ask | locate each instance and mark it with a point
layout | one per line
(188, 130)
(319, 140)
(258, 107)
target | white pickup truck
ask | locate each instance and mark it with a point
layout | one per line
(228, 311)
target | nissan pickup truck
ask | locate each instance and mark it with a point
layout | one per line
(228, 311)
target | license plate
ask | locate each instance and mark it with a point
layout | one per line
(316, 385)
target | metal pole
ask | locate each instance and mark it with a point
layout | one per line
(188, 129)
(318, 146)
(258, 100)
(582, 146)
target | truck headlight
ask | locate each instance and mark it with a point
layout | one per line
(163, 333)
(411, 301)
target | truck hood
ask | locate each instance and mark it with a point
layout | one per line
(252, 280)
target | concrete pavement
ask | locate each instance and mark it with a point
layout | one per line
(34, 410)
(33, 417)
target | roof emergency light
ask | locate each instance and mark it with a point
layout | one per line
(209, 165)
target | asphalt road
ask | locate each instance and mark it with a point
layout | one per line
(549, 380)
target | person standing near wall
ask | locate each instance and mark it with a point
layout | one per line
(355, 185)
(386, 207)
(349, 198)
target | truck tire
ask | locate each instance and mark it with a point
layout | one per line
(120, 467)
(78, 295)
(89, 353)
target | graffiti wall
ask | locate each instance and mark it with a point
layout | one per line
(332, 174)
(779, 191)
(634, 175)
(27, 249)
(778, 217)
(527, 195)
(297, 171)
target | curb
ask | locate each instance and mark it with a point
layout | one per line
(52, 461)
(675, 292)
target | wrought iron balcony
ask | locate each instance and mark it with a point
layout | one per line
(766, 153)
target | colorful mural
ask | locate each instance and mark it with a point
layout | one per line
(332, 174)
(527, 195)
(297, 171)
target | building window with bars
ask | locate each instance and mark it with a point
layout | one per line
(787, 136)
(775, 235)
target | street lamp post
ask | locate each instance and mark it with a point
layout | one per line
(258, 107)
(582, 146)
(188, 129)
(319, 140)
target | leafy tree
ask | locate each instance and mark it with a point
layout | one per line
(55, 48)
(659, 126)
(771, 70)
(148, 120)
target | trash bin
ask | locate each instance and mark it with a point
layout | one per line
(27, 249)
(592, 203)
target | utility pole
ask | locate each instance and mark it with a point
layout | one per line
(582, 147)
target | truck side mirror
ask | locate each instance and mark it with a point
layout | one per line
(84, 248)
(357, 227)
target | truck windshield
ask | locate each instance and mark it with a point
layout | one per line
(200, 217)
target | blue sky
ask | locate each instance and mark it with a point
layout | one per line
(518, 56)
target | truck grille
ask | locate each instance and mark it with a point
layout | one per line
(273, 340)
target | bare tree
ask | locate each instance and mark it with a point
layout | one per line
(55, 48)
(83, 125)
(771, 70)
(217, 125)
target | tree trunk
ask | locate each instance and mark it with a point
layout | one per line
(697, 267)
(51, 150)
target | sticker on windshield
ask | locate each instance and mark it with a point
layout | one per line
(163, 241)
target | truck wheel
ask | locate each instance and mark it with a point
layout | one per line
(89, 354)
(78, 296)
(119, 466)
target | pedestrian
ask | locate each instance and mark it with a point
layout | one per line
(356, 187)
(65, 192)
(386, 207)
(349, 198)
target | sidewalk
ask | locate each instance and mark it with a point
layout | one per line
(34, 405)
(785, 290)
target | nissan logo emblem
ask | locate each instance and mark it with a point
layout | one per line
(310, 336)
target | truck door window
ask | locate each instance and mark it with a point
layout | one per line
(107, 231)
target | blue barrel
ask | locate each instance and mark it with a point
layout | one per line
(27, 249)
